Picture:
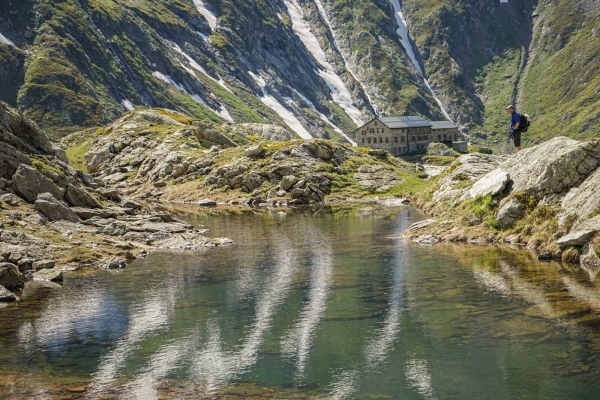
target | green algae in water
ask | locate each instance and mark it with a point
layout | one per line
(309, 305)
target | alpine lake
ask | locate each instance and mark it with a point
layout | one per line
(309, 303)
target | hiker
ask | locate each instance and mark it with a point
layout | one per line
(515, 126)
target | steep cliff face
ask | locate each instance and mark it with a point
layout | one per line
(316, 67)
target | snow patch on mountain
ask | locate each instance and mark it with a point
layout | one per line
(222, 112)
(211, 18)
(4, 39)
(127, 104)
(339, 92)
(323, 117)
(405, 40)
(286, 115)
(203, 36)
(198, 67)
(335, 43)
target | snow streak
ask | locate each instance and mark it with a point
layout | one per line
(223, 113)
(211, 18)
(4, 39)
(335, 43)
(127, 104)
(339, 92)
(286, 115)
(324, 117)
(198, 67)
(405, 40)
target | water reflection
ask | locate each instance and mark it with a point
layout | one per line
(298, 341)
(312, 305)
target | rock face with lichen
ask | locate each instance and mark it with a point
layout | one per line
(555, 184)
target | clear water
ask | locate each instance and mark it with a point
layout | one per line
(310, 305)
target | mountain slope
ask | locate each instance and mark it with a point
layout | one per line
(315, 67)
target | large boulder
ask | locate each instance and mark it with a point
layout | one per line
(29, 183)
(77, 197)
(21, 133)
(208, 135)
(98, 156)
(10, 159)
(48, 205)
(490, 184)
(553, 167)
(509, 213)
(10, 277)
(589, 255)
(583, 200)
(50, 275)
(254, 151)
(577, 238)
(439, 149)
(467, 168)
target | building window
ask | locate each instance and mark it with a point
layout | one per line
(380, 140)
(363, 140)
(444, 136)
(396, 139)
(386, 140)
(368, 140)
(439, 137)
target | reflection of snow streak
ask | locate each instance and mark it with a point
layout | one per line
(145, 320)
(338, 89)
(335, 43)
(378, 347)
(213, 366)
(298, 340)
(582, 293)
(418, 377)
(492, 282)
(286, 115)
(405, 40)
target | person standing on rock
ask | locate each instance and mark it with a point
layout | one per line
(515, 123)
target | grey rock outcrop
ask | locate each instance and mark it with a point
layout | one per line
(376, 178)
(207, 135)
(29, 183)
(554, 166)
(439, 149)
(78, 197)
(583, 200)
(577, 238)
(42, 264)
(254, 151)
(490, 184)
(589, 255)
(50, 275)
(10, 277)
(509, 213)
(467, 168)
(421, 224)
(48, 205)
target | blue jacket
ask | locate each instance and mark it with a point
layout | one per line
(514, 118)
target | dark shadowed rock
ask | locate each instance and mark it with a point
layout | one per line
(7, 295)
(10, 277)
(509, 213)
(29, 183)
(77, 197)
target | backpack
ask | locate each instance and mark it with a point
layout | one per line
(524, 126)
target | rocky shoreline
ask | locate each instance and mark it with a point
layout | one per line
(544, 198)
(56, 218)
